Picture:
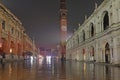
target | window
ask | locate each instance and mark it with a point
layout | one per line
(3, 25)
(78, 39)
(92, 30)
(106, 21)
(12, 30)
(83, 35)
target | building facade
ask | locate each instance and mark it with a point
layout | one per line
(98, 38)
(13, 39)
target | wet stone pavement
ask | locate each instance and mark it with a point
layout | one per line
(56, 70)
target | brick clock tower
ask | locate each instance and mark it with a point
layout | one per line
(63, 28)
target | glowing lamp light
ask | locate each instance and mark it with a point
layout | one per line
(0, 45)
(48, 59)
(10, 50)
(31, 59)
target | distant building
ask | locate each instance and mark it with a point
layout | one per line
(98, 38)
(44, 51)
(13, 39)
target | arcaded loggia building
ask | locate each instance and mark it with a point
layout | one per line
(98, 38)
(14, 42)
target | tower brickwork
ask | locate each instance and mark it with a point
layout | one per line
(63, 27)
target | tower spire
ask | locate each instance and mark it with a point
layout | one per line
(63, 27)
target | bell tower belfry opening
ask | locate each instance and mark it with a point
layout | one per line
(63, 28)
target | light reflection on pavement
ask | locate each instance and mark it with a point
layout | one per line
(57, 70)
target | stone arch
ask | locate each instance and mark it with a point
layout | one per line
(12, 46)
(83, 51)
(107, 53)
(3, 44)
(3, 47)
(92, 53)
(18, 49)
(105, 20)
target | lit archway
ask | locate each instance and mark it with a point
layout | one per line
(3, 44)
(107, 53)
(92, 53)
(12, 45)
(84, 57)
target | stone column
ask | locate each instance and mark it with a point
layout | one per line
(116, 50)
(115, 8)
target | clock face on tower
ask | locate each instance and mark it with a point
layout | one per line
(64, 28)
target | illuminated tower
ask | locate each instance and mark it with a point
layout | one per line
(63, 27)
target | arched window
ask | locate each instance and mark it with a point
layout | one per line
(3, 25)
(106, 21)
(83, 35)
(12, 30)
(92, 30)
(78, 39)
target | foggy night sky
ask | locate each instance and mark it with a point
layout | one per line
(41, 17)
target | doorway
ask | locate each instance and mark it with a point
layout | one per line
(107, 53)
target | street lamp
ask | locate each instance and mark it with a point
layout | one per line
(0, 45)
(10, 50)
(11, 53)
